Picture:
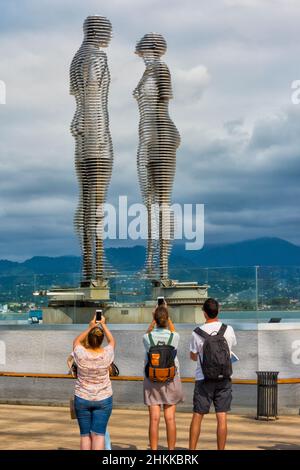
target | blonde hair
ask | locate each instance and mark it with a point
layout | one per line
(93, 339)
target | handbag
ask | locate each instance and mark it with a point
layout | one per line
(72, 408)
(72, 371)
(72, 366)
(113, 370)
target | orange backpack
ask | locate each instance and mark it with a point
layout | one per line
(161, 361)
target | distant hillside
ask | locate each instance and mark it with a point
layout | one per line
(262, 252)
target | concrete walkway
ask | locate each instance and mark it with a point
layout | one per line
(41, 427)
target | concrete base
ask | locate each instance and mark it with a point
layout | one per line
(120, 313)
(180, 293)
(184, 300)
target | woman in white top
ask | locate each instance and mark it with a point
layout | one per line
(93, 391)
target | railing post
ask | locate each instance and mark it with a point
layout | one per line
(256, 287)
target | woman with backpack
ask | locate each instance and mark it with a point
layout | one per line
(162, 384)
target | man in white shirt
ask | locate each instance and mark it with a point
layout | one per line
(206, 392)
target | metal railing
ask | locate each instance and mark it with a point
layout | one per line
(133, 378)
(254, 288)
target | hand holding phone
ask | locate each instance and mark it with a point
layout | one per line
(160, 301)
(98, 316)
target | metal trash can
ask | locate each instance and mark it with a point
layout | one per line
(267, 395)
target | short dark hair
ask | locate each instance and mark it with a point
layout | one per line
(161, 316)
(211, 307)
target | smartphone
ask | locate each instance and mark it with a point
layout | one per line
(160, 300)
(98, 315)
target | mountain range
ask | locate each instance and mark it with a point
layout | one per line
(261, 252)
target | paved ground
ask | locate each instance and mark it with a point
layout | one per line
(41, 427)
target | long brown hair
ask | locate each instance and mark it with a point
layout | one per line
(93, 339)
(161, 316)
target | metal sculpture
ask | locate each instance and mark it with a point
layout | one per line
(89, 83)
(156, 159)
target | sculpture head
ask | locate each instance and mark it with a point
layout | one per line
(152, 44)
(97, 30)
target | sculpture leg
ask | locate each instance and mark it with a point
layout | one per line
(162, 167)
(103, 178)
(164, 240)
(80, 222)
(150, 256)
(147, 196)
(87, 267)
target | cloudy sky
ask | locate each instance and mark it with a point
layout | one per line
(232, 64)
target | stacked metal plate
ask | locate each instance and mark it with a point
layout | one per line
(89, 83)
(156, 159)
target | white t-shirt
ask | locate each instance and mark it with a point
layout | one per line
(197, 341)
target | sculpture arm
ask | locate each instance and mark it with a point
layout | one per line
(150, 108)
(164, 82)
(77, 124)
(94, 88)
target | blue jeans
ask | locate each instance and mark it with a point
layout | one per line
(107, 441)
(92, 416)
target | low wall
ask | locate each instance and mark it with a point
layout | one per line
(44, 349)
(37, 391)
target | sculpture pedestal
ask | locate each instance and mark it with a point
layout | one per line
(184, 301)
(180, 293)
(75, 305)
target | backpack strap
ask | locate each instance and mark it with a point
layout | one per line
(222, 330)
(201, 333)
(151, 340)
(170, 339)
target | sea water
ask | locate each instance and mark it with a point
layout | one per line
(241, 316)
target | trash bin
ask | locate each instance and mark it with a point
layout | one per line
(267, 395)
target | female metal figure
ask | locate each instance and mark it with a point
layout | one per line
(158, 142)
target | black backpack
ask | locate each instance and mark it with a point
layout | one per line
(216, 362)
(161, 361)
